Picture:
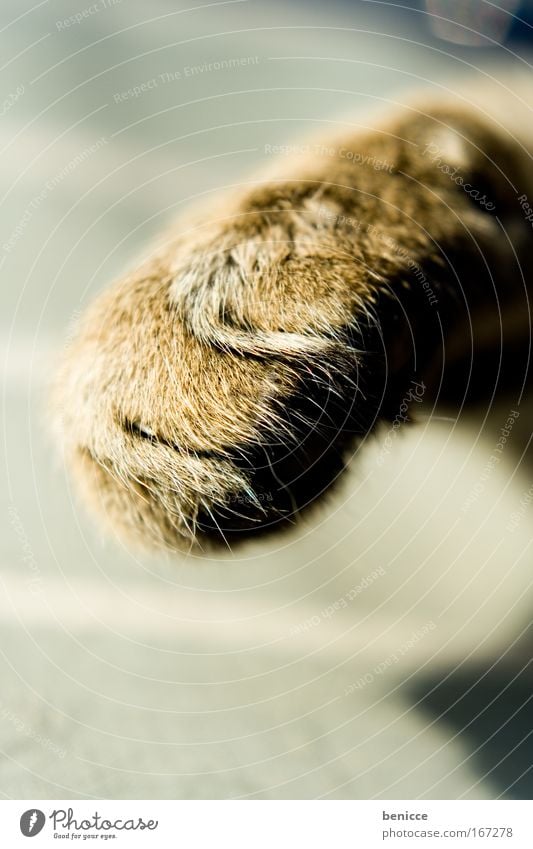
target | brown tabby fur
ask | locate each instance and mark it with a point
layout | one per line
(217, 389)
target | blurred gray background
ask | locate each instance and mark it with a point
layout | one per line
(383, 649)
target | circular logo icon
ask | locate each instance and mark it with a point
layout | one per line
(32, 822)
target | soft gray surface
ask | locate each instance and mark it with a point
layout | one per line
(143, 677)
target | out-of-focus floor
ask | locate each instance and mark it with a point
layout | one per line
(380, 651)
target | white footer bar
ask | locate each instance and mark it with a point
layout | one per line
(266, 824)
